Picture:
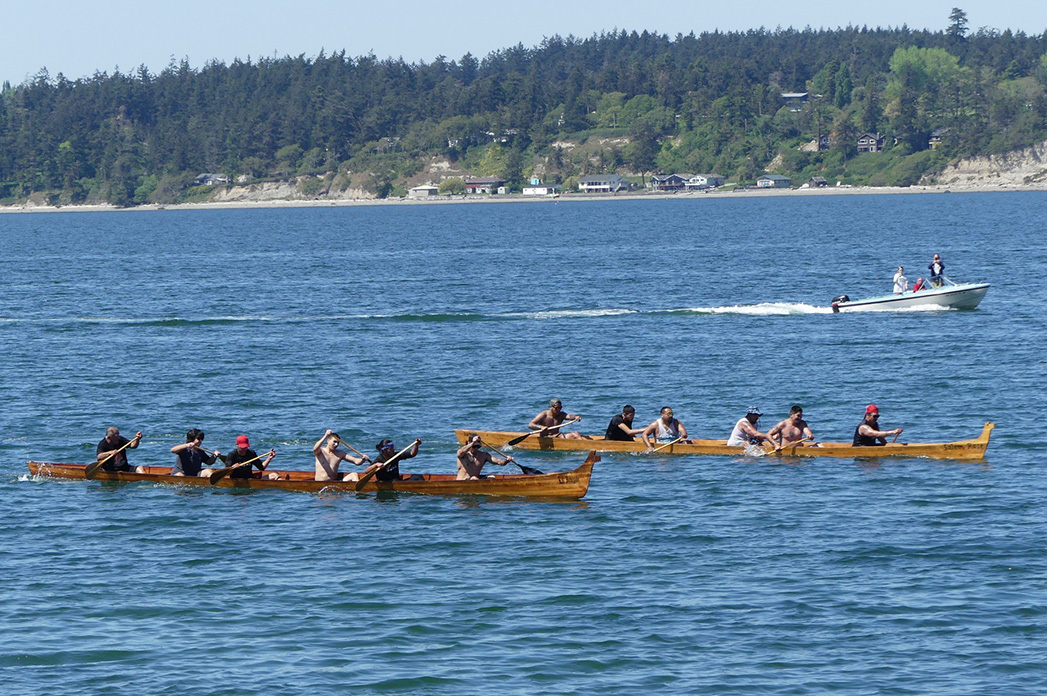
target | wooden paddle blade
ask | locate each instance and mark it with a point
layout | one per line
(518, 440)
(367, 477)
(217, 476)
(530, 471)
(92, 469)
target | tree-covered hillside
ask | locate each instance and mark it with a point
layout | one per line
(632, 103)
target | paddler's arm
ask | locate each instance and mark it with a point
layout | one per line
(268, 458)
(135, 441)
(774, 435)
(534, 424)
(631, 432)
(647, 432)
(323, 438)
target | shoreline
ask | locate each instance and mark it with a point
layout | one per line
(711, 194)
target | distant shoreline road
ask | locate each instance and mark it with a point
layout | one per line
(711, 194)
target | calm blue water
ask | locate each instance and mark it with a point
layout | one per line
(675, 575)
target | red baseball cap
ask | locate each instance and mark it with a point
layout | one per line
(871, 408)
(242, 441)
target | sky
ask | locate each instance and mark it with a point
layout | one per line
(77, 38)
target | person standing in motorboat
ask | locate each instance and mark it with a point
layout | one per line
(937, 269)
(901, 283)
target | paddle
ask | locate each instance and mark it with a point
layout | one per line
(93, 467)
(222, 473)
(518, 440)
(779, 448)
(352, 448)
(895, 438)
(667, 444)
(375, 469)
(530, 471)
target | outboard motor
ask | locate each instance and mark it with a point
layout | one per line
(836, 302)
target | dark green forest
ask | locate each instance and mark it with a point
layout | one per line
(619, 102)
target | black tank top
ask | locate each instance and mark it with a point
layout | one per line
(864, 440)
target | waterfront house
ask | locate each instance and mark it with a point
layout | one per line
(604, 183)
(773, 181)
(537, 188)
(669, 182)
(424, 191)
(704, 181)
(484, 184)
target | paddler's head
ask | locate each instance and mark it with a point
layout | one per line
(667, 414)
(555, 406)
(242, 443)
(753, 414)
(628, 413)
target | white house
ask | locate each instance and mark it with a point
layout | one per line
(607, 183)
(704, 181)
(773, 181)
(537, 188)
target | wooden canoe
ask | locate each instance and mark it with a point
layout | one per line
(962, 449)
(568, 484)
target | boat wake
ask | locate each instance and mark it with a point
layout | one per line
(761, 309)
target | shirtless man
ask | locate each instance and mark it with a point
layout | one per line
(745, 432)
(868, 433)
(792, 429)
(554, 415)
(665, 429)
(328, 458)
(471, 459)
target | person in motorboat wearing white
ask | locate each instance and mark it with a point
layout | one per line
(901, 283)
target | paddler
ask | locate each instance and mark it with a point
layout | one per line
(792, 429)
(665, 429)
(868, 434)
(386, 451)
(327, 458)
(191, 457)
(243, 454)
(745, 432)
(113, 448)
(621, 426)
(471, 459)
(554, 415)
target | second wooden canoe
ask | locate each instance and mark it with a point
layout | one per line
(962, 449)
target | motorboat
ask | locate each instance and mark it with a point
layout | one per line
(949, 295)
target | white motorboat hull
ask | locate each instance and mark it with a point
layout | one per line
(962, 296)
